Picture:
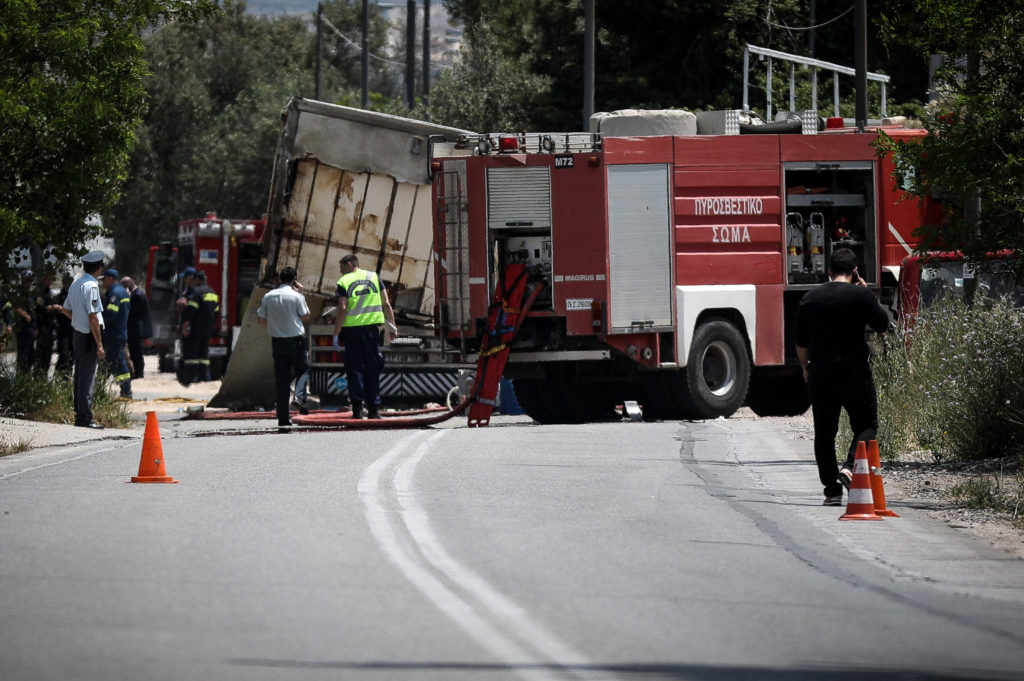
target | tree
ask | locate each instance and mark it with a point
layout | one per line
(486, 91)
(71, 98)
(666, 54)
(216, 92)
(973, 158)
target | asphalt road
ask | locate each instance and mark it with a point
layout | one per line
(610, 551)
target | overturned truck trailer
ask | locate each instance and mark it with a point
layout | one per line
(348, 181)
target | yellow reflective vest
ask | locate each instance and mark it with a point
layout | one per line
(365, 304)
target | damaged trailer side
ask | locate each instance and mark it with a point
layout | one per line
(345, 181)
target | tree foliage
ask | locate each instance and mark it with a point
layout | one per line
(672, 53)
(486, 91)
(71, 97)
(217, 90)
(973, 160)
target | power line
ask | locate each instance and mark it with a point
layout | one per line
(808, 28)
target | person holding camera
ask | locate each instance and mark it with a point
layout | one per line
(833, 351)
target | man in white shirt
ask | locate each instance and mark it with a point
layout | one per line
(84, 308)
(283, 311)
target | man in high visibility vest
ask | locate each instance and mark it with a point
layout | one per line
(363, 306)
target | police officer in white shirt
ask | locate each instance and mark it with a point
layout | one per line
(283, 312)
(85, 309)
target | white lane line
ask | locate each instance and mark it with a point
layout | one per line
(100, 449)
(415, 561)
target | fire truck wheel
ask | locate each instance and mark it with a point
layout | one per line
(529, 395)
(562, 398)
(717, 372)
(778, 394)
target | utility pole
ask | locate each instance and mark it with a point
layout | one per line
(366, 55)
(426, 52)
(860, 59)
(812, 21)
(588, 62)
(319, 47)
(410, 53)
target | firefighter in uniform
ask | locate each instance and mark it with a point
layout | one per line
(363, 306)
(116, 307)
(198, 318)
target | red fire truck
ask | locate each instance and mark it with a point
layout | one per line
(671, 264)
(229, 252)
(925, 280)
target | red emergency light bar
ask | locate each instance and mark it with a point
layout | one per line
(508, 145)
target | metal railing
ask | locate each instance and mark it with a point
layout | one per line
(815, 65)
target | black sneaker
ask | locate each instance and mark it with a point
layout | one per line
(836, 500)
(357, 410)
(845, 477)
(302, 407)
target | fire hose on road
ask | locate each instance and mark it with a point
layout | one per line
(505, 318)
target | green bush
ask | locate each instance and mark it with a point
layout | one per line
(37, 397)
(951, 384)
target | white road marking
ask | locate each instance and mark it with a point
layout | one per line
(488, 616)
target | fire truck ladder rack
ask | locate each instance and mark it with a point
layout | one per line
(453, 244)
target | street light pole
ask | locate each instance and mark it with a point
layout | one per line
(410, 53)
(588, 62)
(366, 55)
(319, 46)
(426, 51)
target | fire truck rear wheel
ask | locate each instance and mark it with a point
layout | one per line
(717, 372)
(774, 394)
(562, 398)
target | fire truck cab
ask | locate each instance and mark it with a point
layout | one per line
(672, 265)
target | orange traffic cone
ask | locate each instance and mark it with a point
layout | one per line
(860, 505)
(877, 486)
(151, 466)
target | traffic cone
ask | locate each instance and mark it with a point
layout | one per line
(151, 465)
(877, 485)
(860, 505)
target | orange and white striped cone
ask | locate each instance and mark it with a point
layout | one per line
(860, 504)
(151, 465)
(877, 485)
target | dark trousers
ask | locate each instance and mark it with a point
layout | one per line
(44, 348)
(26, 342)
(85, 375)
(117, 360)
(836, 385)
(195, 355)
(363, 363)
(65, 351)
(135, 352)
(290, 363)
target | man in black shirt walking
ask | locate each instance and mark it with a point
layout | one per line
(833, 352)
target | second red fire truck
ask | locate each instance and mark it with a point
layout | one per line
(229, 252)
